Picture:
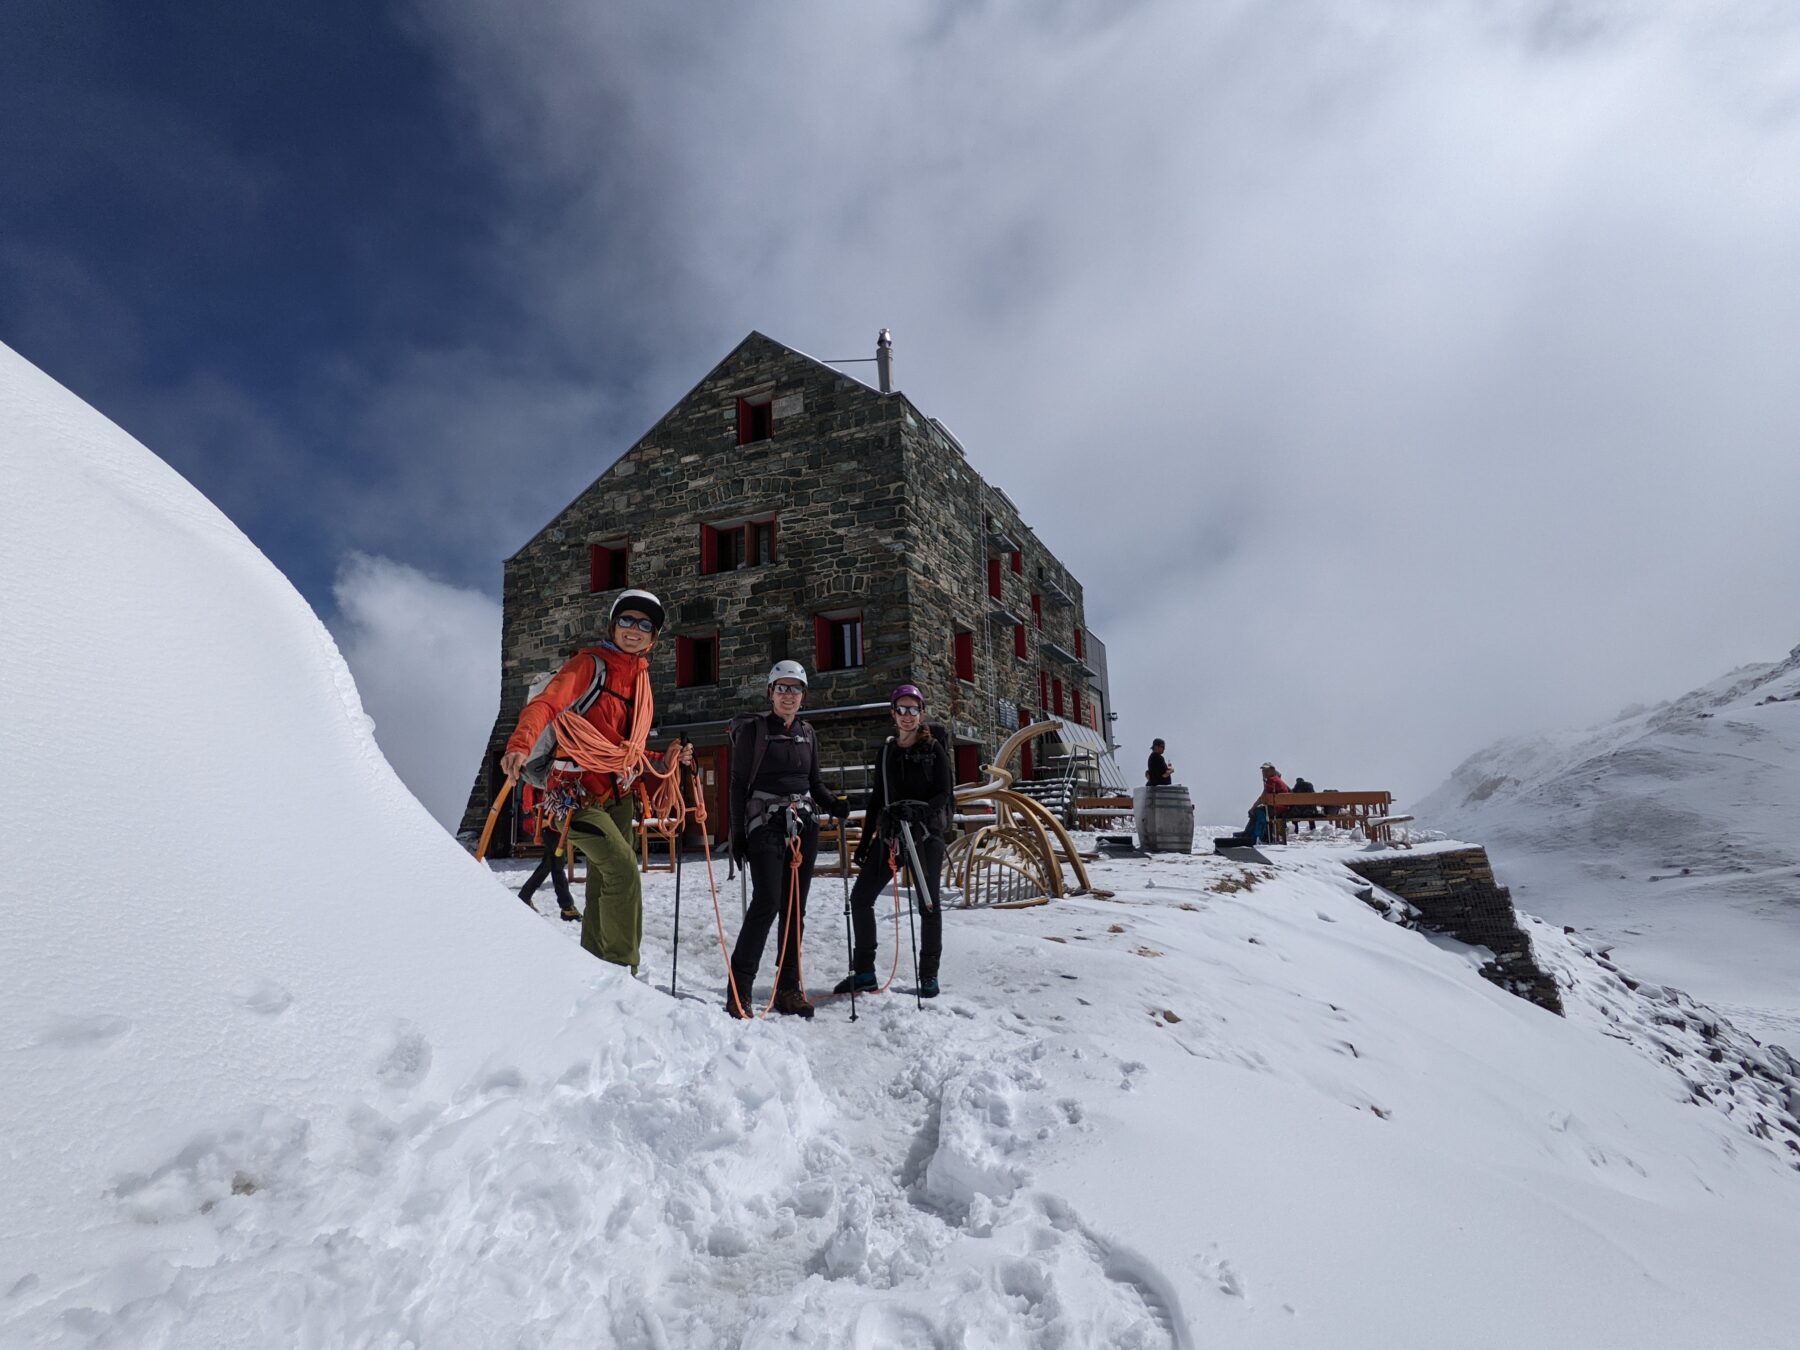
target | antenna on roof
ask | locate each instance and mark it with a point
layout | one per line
(884, 361)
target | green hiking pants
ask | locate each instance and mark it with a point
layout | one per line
(612, 926)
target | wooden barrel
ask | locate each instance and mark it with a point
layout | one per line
(1165, 819)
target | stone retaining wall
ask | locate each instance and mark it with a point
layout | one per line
(1453, 891)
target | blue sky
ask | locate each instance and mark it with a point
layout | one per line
(222, 222)
(1437, 350)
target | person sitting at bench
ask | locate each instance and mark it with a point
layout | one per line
(1307, 813)
(1258, 829)
(1158, 772)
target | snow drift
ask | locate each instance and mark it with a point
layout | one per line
(283, 1066)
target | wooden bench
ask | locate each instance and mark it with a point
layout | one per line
(1102, 813)
(1371, 811)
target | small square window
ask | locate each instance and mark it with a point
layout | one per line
(726, 548)
(838, 639)
(696, 661)
(756, 421)
(609, 566)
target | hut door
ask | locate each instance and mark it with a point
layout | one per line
(713, 764)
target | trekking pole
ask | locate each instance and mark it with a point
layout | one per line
(912, 891)
(849, 935)
(675, 848)
(487, 830)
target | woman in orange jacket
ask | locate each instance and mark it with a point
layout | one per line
(600, 827)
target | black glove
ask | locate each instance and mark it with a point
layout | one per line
(839, 810)
(865, 850)
(740, 847)
(915, 812)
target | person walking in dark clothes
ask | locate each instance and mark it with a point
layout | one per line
(776, 796)
(914, 784)
(1158, 772)
(552, 867)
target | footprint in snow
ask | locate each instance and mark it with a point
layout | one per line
(263, 996)
(72, 1033)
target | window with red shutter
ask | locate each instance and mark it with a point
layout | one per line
(607, 565)
(696, 661)
(838, 639)
(964, 646)
(1037, 609)
(1079, 644)
(994, 577)
(1056, 699)
(968, 763)
(1019, 641)
(1018, 564)
(755, 421)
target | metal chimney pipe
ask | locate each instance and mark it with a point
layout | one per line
(884, 361)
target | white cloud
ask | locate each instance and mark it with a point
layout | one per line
(426, 657)
(1393, 376)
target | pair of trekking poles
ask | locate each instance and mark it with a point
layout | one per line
(917, 893)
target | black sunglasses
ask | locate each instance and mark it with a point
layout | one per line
(637, 621)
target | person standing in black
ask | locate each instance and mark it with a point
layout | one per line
(914, 784)
(1158, 772)
(776, 796)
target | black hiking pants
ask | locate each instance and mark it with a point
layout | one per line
(551, 865)
(872, 880)
(767, 864)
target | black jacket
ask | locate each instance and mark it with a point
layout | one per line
(790, 764)
(919, 773)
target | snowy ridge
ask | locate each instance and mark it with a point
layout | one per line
(1668, 832)
(286, 1067)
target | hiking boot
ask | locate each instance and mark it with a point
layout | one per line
(571, 914)
(740, 1009)
(528, 905)
(862, 982)
(928, 987)
(793, 1003)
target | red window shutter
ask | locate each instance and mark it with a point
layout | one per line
(743, 422)
(1075, 694)
(968, 763)
(709, 550)
(822, 644)
(965, 657)
(1018, 564)
(1056, 703)
(1037, 608)
(684, 662)
(1079, 644)
(1019, 641)
(599, 564)
(994, 577)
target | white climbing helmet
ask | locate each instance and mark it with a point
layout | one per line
(787, 670)
(641, 602)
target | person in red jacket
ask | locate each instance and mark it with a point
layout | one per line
(1260, 815)
(612, 924)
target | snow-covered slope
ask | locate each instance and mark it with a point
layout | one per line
(1673, 833)
(282, 1066)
